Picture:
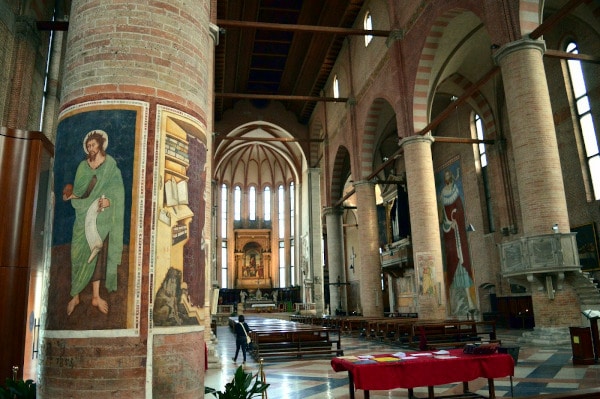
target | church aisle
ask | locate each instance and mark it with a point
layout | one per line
(539, 371)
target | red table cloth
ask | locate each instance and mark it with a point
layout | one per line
(371, 374)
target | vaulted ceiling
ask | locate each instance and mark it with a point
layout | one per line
(278, 50)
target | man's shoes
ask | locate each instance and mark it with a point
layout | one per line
(233, 358)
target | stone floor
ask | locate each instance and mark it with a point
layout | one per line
(539, 370)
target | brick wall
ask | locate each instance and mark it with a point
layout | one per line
(140, 49)
(176, 360)
(93, 368)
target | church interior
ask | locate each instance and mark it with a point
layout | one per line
(168, 167)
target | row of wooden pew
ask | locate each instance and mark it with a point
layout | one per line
(410, 330)
(283, 338)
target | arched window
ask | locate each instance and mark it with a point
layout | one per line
(484, 172)
(586, 122)
(224, 211)
(292, 209)
(237, 203)
(281, 243)
(336, 87)
(368, 25)
(281, 212)
(252, 203)
(267, 203)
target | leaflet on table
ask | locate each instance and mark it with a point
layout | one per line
(370, 359)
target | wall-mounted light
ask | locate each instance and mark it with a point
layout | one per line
(555, 228)
(470, 228)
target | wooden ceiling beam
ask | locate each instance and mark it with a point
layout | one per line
(552, 20)
(570, 56)
(227, 23)
(460, 140)
(280, 97)
(280, 139)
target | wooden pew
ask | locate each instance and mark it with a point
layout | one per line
(453, 333)
(296, 342)
(282, 338)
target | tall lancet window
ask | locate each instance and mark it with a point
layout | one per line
(586, 122)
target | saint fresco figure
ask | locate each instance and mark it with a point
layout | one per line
(459, 275)
(97, 195)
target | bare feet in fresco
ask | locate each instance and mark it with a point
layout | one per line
(71, 305)
(101, 304)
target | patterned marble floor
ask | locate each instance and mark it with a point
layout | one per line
(539, 370)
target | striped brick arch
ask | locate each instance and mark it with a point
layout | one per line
(424, 70)
(478, 101)
(369, 137)
(315, 149)
(338, 175)
(529, 15)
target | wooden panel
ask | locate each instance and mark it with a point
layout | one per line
(24, 158)
(13, 308)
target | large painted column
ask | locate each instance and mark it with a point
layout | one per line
(335, 258)
(369, 265)
(427, 247)
(541, 189)
(127, 306)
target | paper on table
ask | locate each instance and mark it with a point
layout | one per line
(386, 359)
(399, 354)
(441, 352)
(365, 361)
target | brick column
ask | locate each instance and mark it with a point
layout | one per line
(427, 247)
(142, 72)
(537, 162)
(316, 238)
(24, 102)
(369, 265)
(335, 256)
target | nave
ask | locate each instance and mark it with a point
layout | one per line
(539, 370)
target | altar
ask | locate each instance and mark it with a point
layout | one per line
(260, 305)
(252, 260)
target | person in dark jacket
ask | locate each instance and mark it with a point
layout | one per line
(240, 337)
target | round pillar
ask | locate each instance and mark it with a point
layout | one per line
(335, 256)
(369, 268)
(133, 140)
(422, 201)
(533, 137)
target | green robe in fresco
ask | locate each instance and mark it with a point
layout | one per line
(109, 222)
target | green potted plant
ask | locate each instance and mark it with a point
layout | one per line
(241, 387)
(17, 389)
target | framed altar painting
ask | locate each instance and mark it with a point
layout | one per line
(587, 246)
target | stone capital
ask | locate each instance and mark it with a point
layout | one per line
(416, 139)
(363, 182)
(333, 210)
(519, 45)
